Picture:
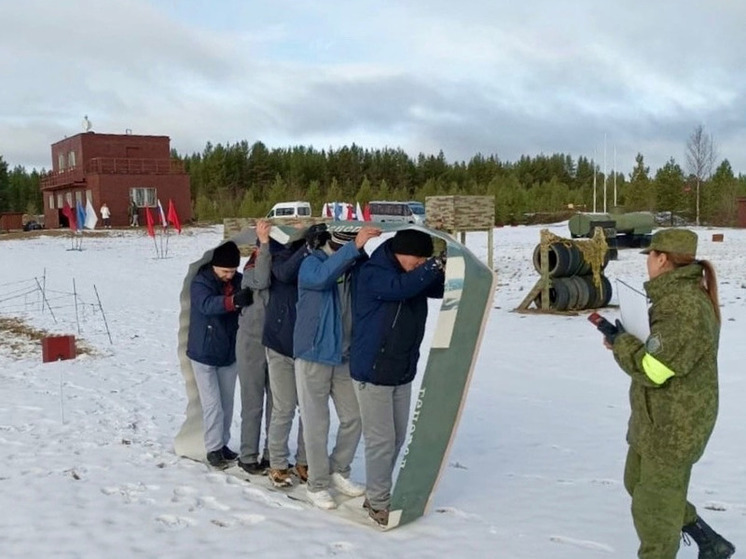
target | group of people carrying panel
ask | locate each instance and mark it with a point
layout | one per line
(339, 325)
(308, 322)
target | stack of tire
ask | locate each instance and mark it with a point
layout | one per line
(572, 285)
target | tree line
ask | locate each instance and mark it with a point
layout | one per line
(243, 180)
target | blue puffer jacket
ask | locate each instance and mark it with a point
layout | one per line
(318, 334)
(389, 315)
(212, 323)
(279, 320)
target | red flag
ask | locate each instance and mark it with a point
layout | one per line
(350, 213)
(173, 217)
(366, 213)
(149, 222)
(68, 212)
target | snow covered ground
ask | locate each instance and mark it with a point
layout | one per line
(87, 468)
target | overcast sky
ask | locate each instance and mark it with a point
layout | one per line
(472, 76)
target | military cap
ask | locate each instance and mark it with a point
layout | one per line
(676, 241)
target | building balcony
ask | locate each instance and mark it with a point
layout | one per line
(76, 176)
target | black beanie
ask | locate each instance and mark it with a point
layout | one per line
(226, 255)
(412, 242)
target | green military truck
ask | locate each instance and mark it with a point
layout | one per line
(632, 229)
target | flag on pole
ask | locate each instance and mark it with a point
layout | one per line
(350, 212)
(164, 222)
(80, 217)
(90, 216)
(366, 213)
(173, 217)
(149, 222)
(68, 212)
(337, 211)
(358, 212)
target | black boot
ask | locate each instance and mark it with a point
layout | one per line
(711, 544)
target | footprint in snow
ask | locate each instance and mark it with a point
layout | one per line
(250, 519)
(212, 503)
(175, 522)
(336, 548)
(585, 544)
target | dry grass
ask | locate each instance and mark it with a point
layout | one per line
(22, 339)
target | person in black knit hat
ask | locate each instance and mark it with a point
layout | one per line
(388, 324)
(216, 298)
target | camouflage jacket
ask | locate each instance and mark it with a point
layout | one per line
(672, 420)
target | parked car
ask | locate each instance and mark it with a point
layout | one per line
(398, 212)
(290, 209)
(32, 226)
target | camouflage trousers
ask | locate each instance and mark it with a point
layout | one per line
(659, 505)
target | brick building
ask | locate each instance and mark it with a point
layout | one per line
(114, 169)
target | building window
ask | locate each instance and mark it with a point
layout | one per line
(71, 159)
(143, 196)
(51, 201)
(78, 196)
(61, 162)
(60, 202)
(89, 196)
(69, 198)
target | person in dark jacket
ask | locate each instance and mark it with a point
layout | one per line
(389, 314)
(277, 338)
(216, 299)
(673, 396)
(321, 347)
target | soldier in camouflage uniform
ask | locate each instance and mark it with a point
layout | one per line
(673, 396)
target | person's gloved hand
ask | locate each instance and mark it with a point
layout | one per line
(609, 330)
(316, 236)
(243, 298)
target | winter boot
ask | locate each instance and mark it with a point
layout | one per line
(216, 460)
(253, 468)
(711, 544)
(280, 477)
(228, 454)
(301, 470)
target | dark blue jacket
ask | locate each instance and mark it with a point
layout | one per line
(279, 320)
(389, 315)
(212, 323)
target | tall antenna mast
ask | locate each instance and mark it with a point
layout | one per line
(604, 173)
(615, 203)
(594, 180)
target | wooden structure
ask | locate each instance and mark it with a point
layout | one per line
(539, 293)
(11, 221)
(114, 169)
(459, 214)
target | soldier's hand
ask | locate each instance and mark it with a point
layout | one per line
(366, 233)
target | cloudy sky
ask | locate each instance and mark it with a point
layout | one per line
(472, 76)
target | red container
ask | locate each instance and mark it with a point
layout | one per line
(57, 348)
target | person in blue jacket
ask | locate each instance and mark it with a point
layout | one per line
(216, 298)
(321, 347)
(389, 315)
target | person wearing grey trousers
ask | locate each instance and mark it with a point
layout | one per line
(390, 311)
(278, 339)
(321, 347)
(256, 398)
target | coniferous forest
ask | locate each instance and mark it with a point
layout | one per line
(245, 180)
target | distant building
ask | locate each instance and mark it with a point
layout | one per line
(115, 169)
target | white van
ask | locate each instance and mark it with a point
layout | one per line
(398, 212)
(290, 209)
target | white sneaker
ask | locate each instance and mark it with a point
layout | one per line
(322, 499)
(346, 486)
